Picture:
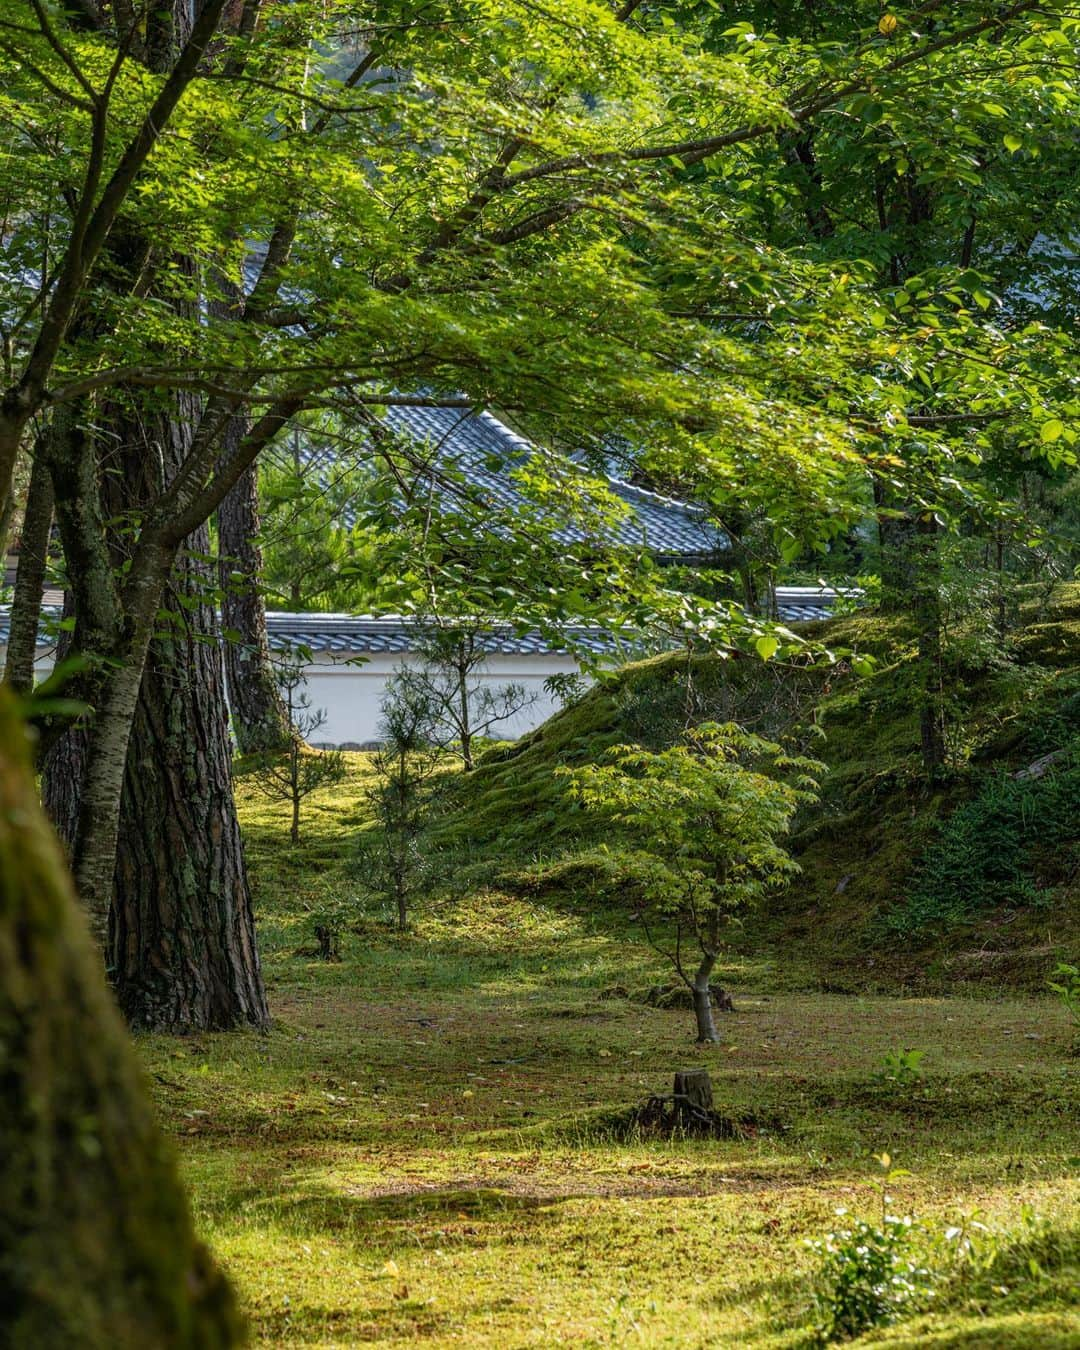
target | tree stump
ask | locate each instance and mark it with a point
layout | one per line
(688, 1111)
(693, 1096)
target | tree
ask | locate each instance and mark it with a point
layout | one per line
(447, 679)
(945, 198)
(259, 721)
(96, 1243)
(391, 861)
(30, 580)
(302, 771)
(704, 819)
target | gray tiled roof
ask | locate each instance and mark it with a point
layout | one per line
(348, 635)
(364, 634)
(473, 456)
(371, 635)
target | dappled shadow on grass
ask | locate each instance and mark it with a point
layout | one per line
(381, 1215)
(393, 1315)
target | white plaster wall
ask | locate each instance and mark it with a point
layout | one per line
(351, 695)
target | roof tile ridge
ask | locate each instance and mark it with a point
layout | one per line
(508, 434)
(660, 498)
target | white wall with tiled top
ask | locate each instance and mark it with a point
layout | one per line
(351, 695)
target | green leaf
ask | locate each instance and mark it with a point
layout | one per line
(766, 646)
(1051, 431)
(1012, 142)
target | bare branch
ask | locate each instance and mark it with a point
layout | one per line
(62, 52)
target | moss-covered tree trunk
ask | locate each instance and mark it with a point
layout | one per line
(30, 580)
(259, 719)
(97, 1250)
(179, 942)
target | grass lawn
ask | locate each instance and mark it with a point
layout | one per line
(418, 1152)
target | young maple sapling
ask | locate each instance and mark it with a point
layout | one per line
(705, 818)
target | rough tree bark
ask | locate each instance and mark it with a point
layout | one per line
(926, 608)
(64, 762)
(179, 942)
(259, 719)
(97, 1250)
(30, 580)
(911, 584)
(897, 539)
(182, 934)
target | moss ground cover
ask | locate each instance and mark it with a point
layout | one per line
(869, 912)
(419, 1152)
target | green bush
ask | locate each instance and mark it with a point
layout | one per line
(868, 1278)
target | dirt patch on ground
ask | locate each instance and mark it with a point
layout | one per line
(491, 1190)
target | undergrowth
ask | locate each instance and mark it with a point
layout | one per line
(1006, 847)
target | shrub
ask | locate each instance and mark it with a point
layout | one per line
(868, 1278)
(902, 1069)
(869, 1274)
(988, 851)
(1066, 984)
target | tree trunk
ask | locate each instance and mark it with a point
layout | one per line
(157, 830)
(64, 762)
(927, 611)
(693, 1095)
(898, 540)
(30, 580)
(260, 722)
(9, 503)
(97, 1250)
(182, 933)
(703, 1009)
(462, 673)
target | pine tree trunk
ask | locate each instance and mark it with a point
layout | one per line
(259, 719)
(64, 763)
(898, 540)
(182, 933)
(97, 1250)
(927, 611)
(157, 830)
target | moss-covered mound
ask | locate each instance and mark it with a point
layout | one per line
(974, 880)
